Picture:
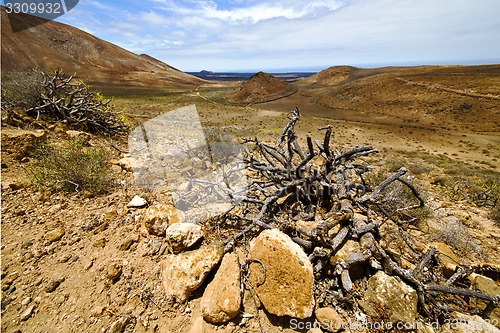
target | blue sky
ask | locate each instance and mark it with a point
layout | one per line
(281, 35)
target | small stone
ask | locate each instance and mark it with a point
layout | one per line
(5, 302)
(183, 187)
(9, 279)
(38, 281)
(27, 313)
(20, 141)
(15, 186)
(53, 284)
(155, 247)
(115, 169)
(222, 298)
(97, 311)
(159, 217)
(26, 301)
(126, 244)
(101, 242)
(119, 325)
(490, 287)
(181, 236)
(89, 265)
(54, 235)
(111, 215)
(114, 271)
(137, 202)
(80, 135)
(121, 300)
(329, 319)
(55, 209)
(315, 330)
(27, 244)
(37, 299)
(65, 257)
(101, 228)
(126, 164)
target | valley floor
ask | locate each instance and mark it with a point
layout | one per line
(77, 264)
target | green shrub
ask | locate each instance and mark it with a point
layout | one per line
(71, 166)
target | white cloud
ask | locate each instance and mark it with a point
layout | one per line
(231, 34)
(150, 18)
(262, 10)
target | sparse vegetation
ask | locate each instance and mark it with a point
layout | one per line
(455, 234)
(54, 97)
(71, 166)
(21, 89)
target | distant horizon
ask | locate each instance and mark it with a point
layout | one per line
(317, 69)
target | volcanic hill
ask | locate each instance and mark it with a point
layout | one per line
(465, 97)
(261, 87)
(52, 45)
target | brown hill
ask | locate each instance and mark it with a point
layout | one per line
(462, 97)
(329, 76)
(53, 45)
(261, 87)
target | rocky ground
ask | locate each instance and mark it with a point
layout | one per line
(118, 262)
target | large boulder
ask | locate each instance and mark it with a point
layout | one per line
(222, 298)
(183, 273)
(490, 287)
(390, 296)
(181, 236)
(159, 217)
(288, 287)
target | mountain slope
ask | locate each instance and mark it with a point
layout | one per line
(55, 45)
(462, 97)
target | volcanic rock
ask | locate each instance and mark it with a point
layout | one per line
(159, 217)
(288, 286)
(183, 273)
(391, 295)
(222, 298)
(181, 236)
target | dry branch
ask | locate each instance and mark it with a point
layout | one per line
(290, 183)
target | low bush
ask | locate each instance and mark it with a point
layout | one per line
(71, 166)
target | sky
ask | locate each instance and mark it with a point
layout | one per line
(296, 35)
